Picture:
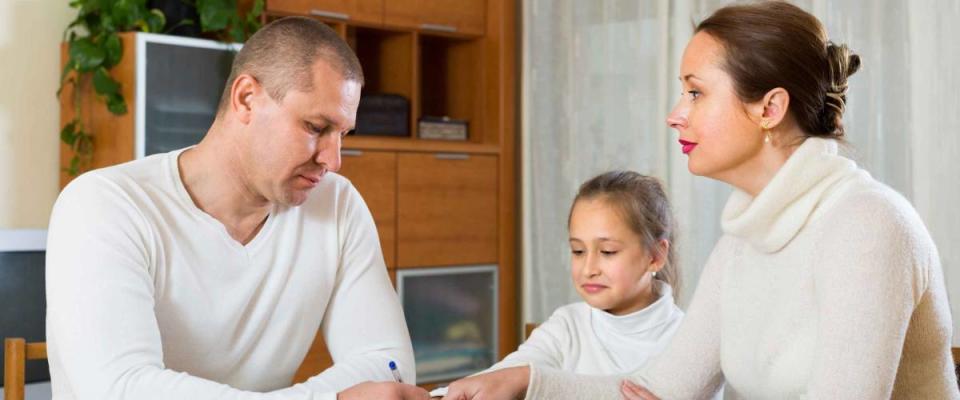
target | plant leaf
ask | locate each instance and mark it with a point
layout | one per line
(67, 134)
(215, 14)
(116, 104)
(236, 31)
(103, 84)
(85, 54)
(156, 20)
(113, 50)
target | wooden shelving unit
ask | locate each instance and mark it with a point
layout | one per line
(436, 203)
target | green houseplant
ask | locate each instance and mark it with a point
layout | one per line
(94, 47)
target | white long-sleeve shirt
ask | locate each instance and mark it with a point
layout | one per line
(826, 285)
(582, 339)
(148, 297)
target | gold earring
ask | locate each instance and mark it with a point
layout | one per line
(765, 126)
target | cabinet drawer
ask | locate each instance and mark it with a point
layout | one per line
(447, 209)
(461, 16)
(363, 11)
(374, 175)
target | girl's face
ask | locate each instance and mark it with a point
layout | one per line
(719, 133)
(611, 268)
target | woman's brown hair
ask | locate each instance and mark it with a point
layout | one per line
(776, 44)
(643, 205)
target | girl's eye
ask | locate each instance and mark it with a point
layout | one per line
(577, 252)
(694, 94)
(608, 252)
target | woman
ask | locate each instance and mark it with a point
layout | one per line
(826, 284)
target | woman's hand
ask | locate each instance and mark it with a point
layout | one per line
(384, 391)
(633, 391)
(505, 384)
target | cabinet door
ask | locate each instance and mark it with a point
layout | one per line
(447, 209)
(363, 11)
(462, 16)
(374, 175)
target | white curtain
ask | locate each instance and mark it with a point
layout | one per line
(599, 77)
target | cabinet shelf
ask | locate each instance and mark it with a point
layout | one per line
(416, 145)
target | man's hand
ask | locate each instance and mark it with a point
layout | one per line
(383, 391)
(505, 384)
(633, 391)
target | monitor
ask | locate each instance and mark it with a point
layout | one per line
(451, 313)
(23, 302)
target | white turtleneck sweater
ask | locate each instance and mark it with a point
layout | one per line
(826, 285)
(582, 339)
(148, 297)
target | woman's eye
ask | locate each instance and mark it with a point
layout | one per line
(577, 252)
(694, 94)
(608, 252)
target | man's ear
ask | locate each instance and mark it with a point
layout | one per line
(241, 96)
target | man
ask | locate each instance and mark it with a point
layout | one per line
(205, 273)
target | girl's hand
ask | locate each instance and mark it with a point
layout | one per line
(505, 384)
(633, 391)
(383, 390)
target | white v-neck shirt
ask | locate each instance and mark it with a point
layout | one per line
(148, 297)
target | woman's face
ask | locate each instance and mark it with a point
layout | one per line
(611, 268)
(720, 135)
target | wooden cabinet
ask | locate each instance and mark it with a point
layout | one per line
(452, 16)
(354, 11)
(447, 210)
(373, 173)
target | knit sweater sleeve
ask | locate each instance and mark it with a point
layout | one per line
(689, 368)
(363, 325)
(101, 325)
(870, 271)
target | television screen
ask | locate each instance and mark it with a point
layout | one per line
(452, 317)
(23, 302)
(184, 81)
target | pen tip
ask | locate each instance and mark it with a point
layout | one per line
(393, 365)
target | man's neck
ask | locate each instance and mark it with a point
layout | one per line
(215, 182)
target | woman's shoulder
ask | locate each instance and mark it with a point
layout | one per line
(870, 217)
(865, 201)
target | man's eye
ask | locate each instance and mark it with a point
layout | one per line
(319, 130)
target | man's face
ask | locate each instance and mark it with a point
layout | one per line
(291, 144)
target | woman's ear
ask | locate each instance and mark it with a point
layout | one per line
(774, 107)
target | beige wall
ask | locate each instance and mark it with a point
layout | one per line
(30, 33)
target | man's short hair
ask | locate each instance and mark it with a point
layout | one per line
(282, 53)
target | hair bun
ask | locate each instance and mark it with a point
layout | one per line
(841, 64)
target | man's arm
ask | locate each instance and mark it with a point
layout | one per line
(363, 325)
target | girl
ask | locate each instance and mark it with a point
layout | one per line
(621, 230)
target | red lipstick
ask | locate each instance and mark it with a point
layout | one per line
(687, 146)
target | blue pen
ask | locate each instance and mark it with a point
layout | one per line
(395, 372)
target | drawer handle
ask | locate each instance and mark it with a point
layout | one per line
(351, 153)
(452, 156)
(330, 14)
(439, 27)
